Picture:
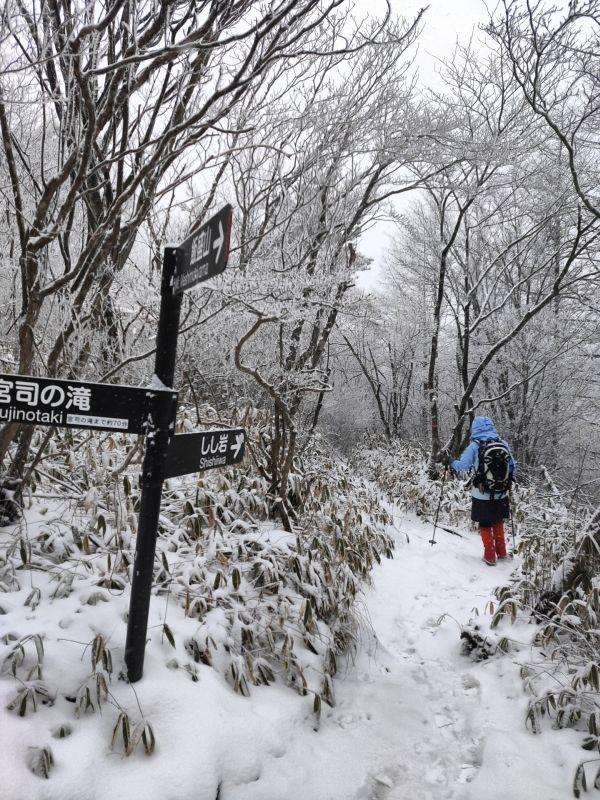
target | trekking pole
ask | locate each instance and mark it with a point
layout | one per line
(512, 523)
(432, 541)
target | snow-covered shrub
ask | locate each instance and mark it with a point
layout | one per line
(400, 470)
(480, 646)
(25, 657)
(558, 588)
(40, 761)
(268, 602)
(131, 735)
(568, 615)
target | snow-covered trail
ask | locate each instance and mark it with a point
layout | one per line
(414, 718)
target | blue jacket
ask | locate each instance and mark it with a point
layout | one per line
(482, 429)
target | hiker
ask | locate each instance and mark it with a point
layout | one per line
(492, 464)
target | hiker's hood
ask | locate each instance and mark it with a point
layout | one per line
(483, 428)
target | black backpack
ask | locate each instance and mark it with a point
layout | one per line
(493, 469)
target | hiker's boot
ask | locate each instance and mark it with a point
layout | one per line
(489, 551)
(499, 540)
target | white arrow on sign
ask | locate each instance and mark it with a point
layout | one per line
(237, 446)
(218, 243)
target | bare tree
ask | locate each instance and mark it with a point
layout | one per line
(333, 159)
(485, 246)
(105, 109)
(382, 343)
(554, 56)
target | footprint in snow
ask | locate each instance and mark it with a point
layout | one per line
(470, 684)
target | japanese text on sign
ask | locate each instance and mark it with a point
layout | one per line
(192, 452)
(29, 400)
(85, 420)
(53, 396)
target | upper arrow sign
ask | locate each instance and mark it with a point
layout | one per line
(205, 252)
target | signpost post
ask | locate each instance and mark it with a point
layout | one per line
(153, 474)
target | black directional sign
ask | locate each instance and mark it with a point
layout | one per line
(73, 404)
(194, 452)
(204, 253)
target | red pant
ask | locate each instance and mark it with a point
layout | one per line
(492, 537)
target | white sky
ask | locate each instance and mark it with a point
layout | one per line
(445, 23)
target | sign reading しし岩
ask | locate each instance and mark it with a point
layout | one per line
(27, 400)
(194, 452)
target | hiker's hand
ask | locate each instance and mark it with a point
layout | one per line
(445, 458)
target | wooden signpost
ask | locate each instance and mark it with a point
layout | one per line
(150, 411)
(201, 256)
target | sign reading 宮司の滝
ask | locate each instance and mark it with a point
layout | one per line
(27, 400)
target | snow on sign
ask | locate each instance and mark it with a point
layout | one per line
(72, 404)
(194, 452)
(204, 253)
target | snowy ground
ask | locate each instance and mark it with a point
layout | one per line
(414, 719)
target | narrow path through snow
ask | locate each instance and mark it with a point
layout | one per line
(415, 719)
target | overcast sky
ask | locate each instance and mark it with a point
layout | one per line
(445, 23)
